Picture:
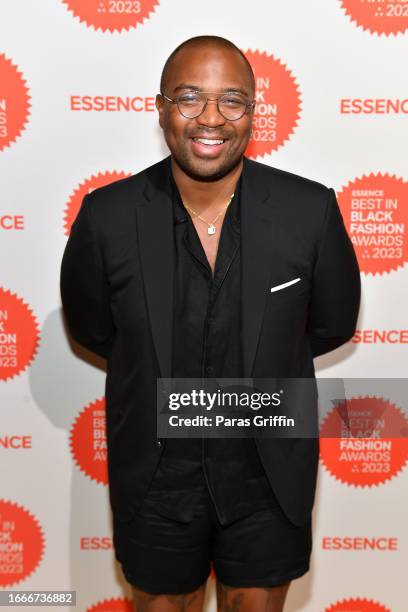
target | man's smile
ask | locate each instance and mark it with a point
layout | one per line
(209, 141)
(207, 146)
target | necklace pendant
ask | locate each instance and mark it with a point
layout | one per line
(211, 229)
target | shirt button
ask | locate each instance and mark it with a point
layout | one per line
(209, 370)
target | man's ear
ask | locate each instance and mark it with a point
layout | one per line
(160, 107)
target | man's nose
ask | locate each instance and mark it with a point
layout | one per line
(211, 115)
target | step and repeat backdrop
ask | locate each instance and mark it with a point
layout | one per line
(78, 79)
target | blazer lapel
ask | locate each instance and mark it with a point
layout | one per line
(155, 234)
(258, 243)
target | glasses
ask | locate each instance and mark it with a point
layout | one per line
(231, 106)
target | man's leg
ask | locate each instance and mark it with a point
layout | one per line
(255, 599)
(256, 558)
(165, 561)
(186, 602)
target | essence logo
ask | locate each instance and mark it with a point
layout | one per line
(12, 222)
(373, 106)
(88, 442)
(277, 104)
(112, 104)
(19, 335)
(88, 185)
(95, 543)
(359, 543)
(14, 102)
(21, 543)
(377, 16)
(16, 442)
(112, 15)
(380, 336)
(375, 214)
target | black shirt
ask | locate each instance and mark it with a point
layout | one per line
(207, 344)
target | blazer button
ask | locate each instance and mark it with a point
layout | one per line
(159, 442)
(209, 370)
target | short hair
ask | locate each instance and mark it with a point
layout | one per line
(196, 41)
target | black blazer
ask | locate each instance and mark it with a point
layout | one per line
(117, 285)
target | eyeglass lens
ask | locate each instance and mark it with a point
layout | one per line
(231, 106)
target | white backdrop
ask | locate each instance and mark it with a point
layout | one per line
(332, 79)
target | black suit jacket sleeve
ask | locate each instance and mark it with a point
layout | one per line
(336, 289)
(84, 288)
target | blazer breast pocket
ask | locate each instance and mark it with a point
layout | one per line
(288, 289)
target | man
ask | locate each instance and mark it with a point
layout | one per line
(169, 273)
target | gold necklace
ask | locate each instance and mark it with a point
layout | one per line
(211, 227)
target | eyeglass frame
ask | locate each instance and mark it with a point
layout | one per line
(248, 105)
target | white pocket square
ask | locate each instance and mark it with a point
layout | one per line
(283, 285)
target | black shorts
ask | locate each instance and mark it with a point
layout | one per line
(161, 555)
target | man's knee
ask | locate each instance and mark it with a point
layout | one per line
(168, 602)
(251, 599)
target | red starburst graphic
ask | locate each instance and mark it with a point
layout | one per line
(74, 202)
(375, 213)
(19, 335)
(364, 441)
(88, 442)
(357, 605)
(277, 107)
(112, 15)
(22, 543)
(377, 16)
(115, 604)
(14, 102)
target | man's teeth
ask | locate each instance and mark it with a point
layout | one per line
(207, 141)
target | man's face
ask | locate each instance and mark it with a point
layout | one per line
(215, 70)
